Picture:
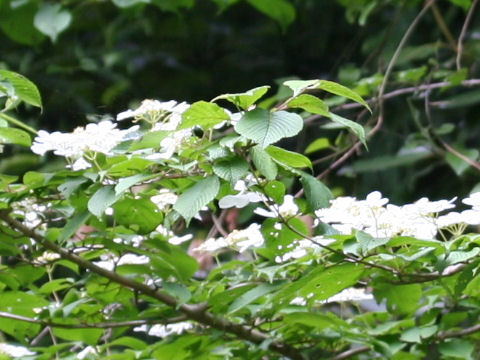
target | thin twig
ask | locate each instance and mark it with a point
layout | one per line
(443, 26)
(458, 154)
(463, 33)
(381, 93)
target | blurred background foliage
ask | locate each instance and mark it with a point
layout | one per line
(95, 57)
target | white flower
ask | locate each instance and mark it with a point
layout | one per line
(166, 330)
(101, 137)
(47, 257)
(15, 351)
(244, 239)
(286, 210)
(212, 245)
(153, 106)
(108, 261)
(350, 294)
(239, 240)
(177, 240)
(426, 207)
(164, 198)
(473, 200)
(243, 198)
(89, 350)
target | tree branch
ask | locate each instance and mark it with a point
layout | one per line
(196, 312)
(105, 325)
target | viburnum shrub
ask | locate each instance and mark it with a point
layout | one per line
(186, 231)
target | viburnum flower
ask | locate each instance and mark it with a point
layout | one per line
(286, 210)
(243, 198)
(153, 111)
(239, 240)
(94, 138)
(473, 200)
(165, 330)
(15, 351)
(164, 198)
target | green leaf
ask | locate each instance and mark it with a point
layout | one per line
(232, 169)
(289, 158)
(149, 140)
(126, 183)
(14, 136)
(171, 260)
(204, 114)
(141, 215)
(357, 129)
(246, 99)
(51, 20)
(401, 299)
(311, 104)
(55, 285)
(343, 91)
(317, 194)
(318, 144)
(88, 336)
(26, 90)
(276, 191)
(457, 349)
(459, 165)
(73, 225)
(251, 295)
(178, 291)
(196, 197)
(418, 334)
(129, 342)
(367, 242)
(299, 86)
(17, 22)
(324, 283)
(101, 200)
(264, 163)
(128, 3)
(281, 11)
(266, 128)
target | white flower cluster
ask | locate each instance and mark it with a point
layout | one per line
(244, 197)
(346, 295)
(239, 240)
(164, 198)
(165, 116)
(300, 248)
(14, 351)
(33, 213)
(94, 138)
(109, 261)
(165, 330)
(382, 220)
(287, 210)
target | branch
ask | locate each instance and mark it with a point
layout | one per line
(105, 325)
(462, 34)
(399, 92)
(459, 333)
(196, 312)
(351, 352)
